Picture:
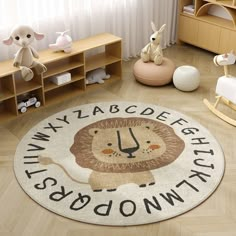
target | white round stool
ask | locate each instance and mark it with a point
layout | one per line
(186, 78)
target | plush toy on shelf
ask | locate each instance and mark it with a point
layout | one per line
(225, 88)
(153, 51)
(23, 36)
(63, 42)
(97, 76)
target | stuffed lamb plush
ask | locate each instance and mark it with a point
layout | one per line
(97, 76)
(23, 36)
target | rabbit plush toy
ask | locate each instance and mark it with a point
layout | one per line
(23, 36)
(153, 50)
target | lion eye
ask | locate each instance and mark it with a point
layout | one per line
(148, 141)
(109, 144)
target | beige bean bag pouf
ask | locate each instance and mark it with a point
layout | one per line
(154, 75)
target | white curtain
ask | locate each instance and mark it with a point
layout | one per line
(129, 19)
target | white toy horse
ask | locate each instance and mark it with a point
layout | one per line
(153, 50)
(225, 88)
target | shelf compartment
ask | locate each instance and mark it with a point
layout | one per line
(48, 85)
(186, 3)
(217, 21)
(63, 65)
(64, 92)
(114, 49)
(227, 3)
(107, 82)
(76, 75)
(38, 93)
(25, 87)
(99, 60)
(22, 86)
(114, 69)
(8, 109)
(202, 13)
(7, 88)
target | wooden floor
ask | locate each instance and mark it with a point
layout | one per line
(19, 215)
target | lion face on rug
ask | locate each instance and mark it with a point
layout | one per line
(125, 147)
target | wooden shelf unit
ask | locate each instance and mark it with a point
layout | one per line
(205, 30)
(77, 63)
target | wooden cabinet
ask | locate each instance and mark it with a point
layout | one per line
(208, 36)
(100, 51)
(227, 40)
(188, 32)
(215, 32)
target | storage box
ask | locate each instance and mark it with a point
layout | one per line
(61, 78)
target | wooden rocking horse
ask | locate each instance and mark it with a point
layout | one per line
(225, 88)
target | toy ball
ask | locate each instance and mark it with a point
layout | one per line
(186, 78)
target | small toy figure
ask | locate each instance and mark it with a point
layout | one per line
(97, 76)
(63, 42)
(225, 60)
(153, 50)
(22, 106)
(23, 36)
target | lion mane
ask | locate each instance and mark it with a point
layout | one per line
(82, 146)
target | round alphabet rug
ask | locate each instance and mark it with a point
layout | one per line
(119, 163)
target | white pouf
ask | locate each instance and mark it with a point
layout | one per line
(186, 78)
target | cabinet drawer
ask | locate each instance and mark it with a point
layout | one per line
(188, 29)
(208, 36)
(227, 41)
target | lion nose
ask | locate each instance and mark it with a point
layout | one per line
(129, 150)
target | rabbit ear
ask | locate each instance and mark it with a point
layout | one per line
(38, 36)
(8, 41)
(162, 28)
(154, 28)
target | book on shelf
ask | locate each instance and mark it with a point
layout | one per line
(189, 8)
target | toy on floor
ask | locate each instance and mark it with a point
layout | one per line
(225, 88)
(97, 76)
(153, 50)
(23, 36)
(25, 103)
(63, 42)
